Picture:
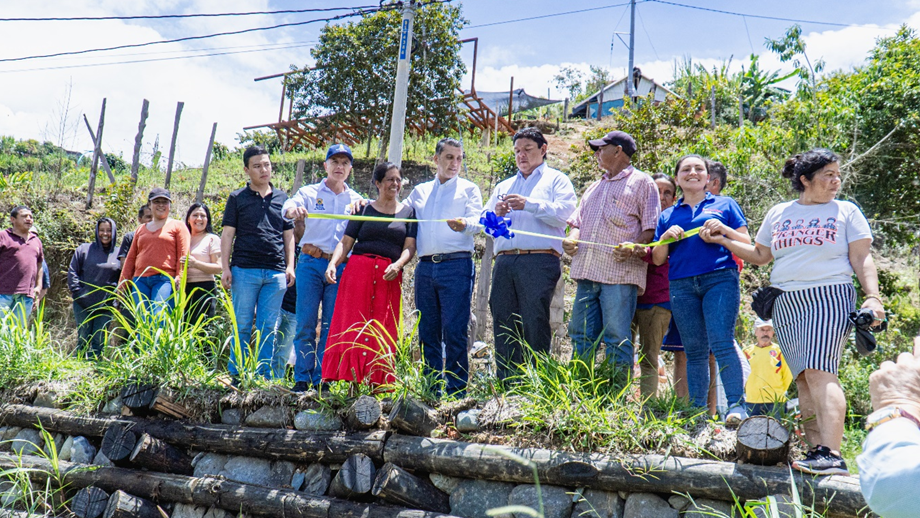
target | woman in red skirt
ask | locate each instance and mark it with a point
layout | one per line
(363, 331)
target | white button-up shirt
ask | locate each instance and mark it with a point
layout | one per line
(319, 199)
(550, 201)
(455, 198)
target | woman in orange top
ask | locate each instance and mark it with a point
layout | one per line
(154, 258)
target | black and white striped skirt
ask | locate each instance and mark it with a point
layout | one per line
(812, 327)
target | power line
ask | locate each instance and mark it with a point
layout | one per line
(203, 49)
(548, 15)
(763, 17)
(649, 37)
(205, 36)
(86, 65)
(172, 16)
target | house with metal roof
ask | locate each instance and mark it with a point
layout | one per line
(612, 96)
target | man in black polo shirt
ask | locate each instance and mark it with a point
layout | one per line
(261, 265)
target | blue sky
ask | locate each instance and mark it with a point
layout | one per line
(220, 88)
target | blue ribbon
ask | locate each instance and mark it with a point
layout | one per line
(496, 226)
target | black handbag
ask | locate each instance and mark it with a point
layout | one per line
(764, 298)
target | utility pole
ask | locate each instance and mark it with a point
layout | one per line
(398, 122)
(631, 85)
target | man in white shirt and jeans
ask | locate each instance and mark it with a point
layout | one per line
(538, 199)
(445, 272)
(329, 196)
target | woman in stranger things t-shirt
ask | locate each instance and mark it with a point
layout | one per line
(817, 243)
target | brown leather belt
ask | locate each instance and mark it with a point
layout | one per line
(314, 251)
(518, 251)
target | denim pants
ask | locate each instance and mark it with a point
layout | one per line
(91, 325)
(442, 296)
(705, 308)
(153, 292)
(257, 294)
(21, 304)
(284, 341)
(313, 290)
(603, 312)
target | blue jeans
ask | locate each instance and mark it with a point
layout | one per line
(257, 294)
(154, 292)
(284, 340)
(21, 304)
(91, 325)
(603, 310)
(705, 308)
(313, 290)
(442, 296)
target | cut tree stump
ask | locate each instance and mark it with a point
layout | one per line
(398, 486)
(123, 505)
(363, 413)
(157, 455)
(117, 443)
(145, 398)
(89, 502)
(210, 491)
(272, 443)
(412, 417)
(355, 479)
(762, 440)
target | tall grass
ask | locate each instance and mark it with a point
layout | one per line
(26, 351)
(19, 491)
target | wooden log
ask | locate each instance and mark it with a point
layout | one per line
(117, 443)
(483, 287)
(836, 495)
(139, 396)
(398, 486)
(105, 162)
(355, 479)
(208, 492)
(164, 405)
(762, 440)
(91, 188)
(199, 196)
(363, 413)
(89, 502)
(157, 455)
(139, 141)
(293, 445)
(123, 505)
(412, 417)
(298, 176)
(172, 144)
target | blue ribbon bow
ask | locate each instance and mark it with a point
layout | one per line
(496, 226)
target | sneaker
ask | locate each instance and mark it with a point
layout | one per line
(735, 416)
(302, 386)
(821, 461)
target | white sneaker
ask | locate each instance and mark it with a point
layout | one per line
(736, 415)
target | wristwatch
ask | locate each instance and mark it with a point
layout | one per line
(885, 414)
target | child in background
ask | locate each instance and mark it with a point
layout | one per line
(765, 390)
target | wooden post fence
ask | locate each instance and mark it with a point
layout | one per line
(298, 176)
(98, 144)
(96, 152)
(483, 287)
(204, 169)
(172, 145)
(138, 141)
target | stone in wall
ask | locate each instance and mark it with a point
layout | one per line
(648, 505)
(263, 472)
(557, 501)
(231, 416)
(48, 399)
(444, 482)
(784, 506)
(212, 464)
(595, 503)
(679, 502)
(56, 443)
(194, 511)
(113, 406)
(317, 421)
(473, 498)
(268, 417)
(316, 479)
(66, 449)
(27, 442)
(81, 451)
(7, 434)
(707, 507)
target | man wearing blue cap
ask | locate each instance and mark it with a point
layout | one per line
(329, 196)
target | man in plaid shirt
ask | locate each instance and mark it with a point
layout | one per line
(622, 206)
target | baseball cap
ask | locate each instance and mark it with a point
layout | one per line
(616, 138)
(340, 149)
(759, 322)
(158, 192)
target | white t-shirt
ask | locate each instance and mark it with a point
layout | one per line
(810, 243)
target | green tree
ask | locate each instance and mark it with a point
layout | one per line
(792, 47)
(352, 81)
